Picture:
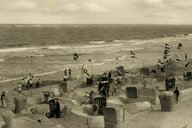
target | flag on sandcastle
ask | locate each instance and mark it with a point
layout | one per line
(167, 46)
(166, 50)
(180, 45)
(132, 54)
(186, 65)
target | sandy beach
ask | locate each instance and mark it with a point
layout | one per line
(50, 69)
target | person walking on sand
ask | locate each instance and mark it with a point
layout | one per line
(2, 99)
(176, 93)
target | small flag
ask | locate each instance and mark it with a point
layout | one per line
(186, 64)
(167, 46)
(179, 46)
(178, 59)
(166, 52)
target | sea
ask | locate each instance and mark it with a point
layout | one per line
(41, 48)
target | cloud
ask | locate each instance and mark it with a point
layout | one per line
(21, 5)
(95, 8)
(71, 7)
(97, 11)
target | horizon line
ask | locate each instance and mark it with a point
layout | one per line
(88, 24)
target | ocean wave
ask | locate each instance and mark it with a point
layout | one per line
(99, 64)
(97, 42)
(55, 47)
(17, 49)
(97, 46)
(38, 55)
(123, 57)
(109, 60)
(131, 49)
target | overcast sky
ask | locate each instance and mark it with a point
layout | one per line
(96, 11)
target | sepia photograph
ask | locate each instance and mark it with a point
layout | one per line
(96, 63)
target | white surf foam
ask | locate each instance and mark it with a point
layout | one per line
(1, 60)
(54, 47)
(17, 49)
(98, 64)
(97, 42)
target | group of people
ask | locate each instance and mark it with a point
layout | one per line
(27, 83)
(67, 72)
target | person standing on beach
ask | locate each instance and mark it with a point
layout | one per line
(65, 72)
(38, 83)
(23, 83)
(176, 93)
(69, 72)
(2, 99)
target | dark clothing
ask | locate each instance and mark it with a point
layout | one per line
(69, 72)
(57, 109)
(75, 57)
(52, 108)
(2, 96)
(176, 92)
(2, 99)
(37, 84)
(65, 72)
(109, 75)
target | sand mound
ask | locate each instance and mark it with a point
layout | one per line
(25, 122)
(186, 94)
(134, 108)
(115, 101)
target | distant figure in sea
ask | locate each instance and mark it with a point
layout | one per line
(2, 99)
(176, 93)
(75, 56)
